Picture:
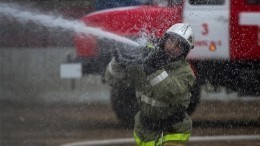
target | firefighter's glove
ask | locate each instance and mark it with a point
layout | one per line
(155, 60)
(126, 57)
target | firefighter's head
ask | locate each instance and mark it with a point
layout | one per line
(178, 40)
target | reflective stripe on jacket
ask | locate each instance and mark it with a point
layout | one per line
(178, 137)
(166, 91)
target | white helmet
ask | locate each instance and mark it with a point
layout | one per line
(184, 31)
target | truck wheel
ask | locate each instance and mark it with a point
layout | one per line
(125, 105)
(195, 97)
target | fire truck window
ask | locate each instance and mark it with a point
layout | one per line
(253, 2)
(165, 2)
(175, 2)
(207, 2)
(106, 4)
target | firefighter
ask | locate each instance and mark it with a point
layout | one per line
(162, 78)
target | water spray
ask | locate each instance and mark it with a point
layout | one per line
(59, 22)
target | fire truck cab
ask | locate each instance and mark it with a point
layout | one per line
(227, 43)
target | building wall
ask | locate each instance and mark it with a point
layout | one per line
(33, 75)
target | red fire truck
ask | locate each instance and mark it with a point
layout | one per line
(227, 43)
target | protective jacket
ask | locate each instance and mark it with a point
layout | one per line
(163, 96)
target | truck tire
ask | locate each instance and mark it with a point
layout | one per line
(125, 105)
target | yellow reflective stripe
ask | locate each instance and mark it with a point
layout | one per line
(168, 137)
(139, 142)
(176, 137)
(150, 46)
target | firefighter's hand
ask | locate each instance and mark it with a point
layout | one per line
(157, 59)
(121, 59)
(126, 57)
